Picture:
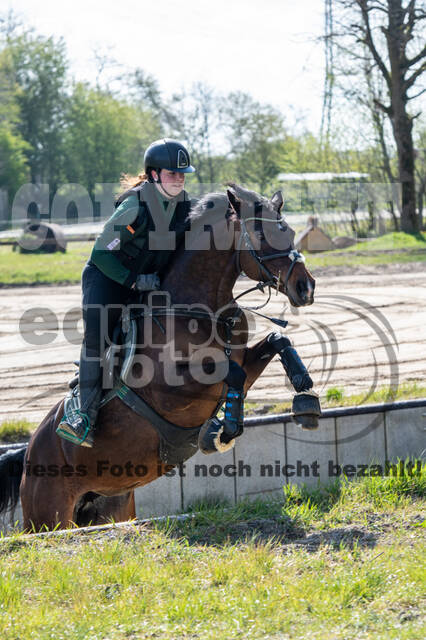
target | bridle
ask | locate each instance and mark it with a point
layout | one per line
(272, 280)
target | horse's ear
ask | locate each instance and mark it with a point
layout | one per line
(233, 201)
(277, 201)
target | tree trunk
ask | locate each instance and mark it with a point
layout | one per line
(394, 216)
(402, 123)
(402, 127)
(420, 196)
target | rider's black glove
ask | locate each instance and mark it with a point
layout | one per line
(147, 282)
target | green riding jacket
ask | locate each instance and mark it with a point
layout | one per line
(124, 249)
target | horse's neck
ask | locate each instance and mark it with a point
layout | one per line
(202, 276)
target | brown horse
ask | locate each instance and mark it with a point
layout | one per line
(229, 233)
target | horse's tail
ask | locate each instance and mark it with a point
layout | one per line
(11, 469)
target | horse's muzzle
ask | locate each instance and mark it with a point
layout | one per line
(303, 295)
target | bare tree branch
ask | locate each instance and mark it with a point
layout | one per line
(417, 94)
(382, 107)
(401, 24)
(365, 9)
(411, 12)
(411, 80)
(411, 61)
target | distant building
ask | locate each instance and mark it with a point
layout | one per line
(321, 177)
(313, 238)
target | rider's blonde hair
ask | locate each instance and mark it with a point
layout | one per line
(128, 181)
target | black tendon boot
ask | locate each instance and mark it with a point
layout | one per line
(293, 365)
(78, 422)
(233, 421)
(306, 404)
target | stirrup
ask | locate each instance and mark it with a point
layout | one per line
(76, 429)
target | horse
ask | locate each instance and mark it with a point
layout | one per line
(60, 484)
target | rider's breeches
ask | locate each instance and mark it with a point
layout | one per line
(102, 302)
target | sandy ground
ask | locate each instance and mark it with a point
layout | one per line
(363, 331)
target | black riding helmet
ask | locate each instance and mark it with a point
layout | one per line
(167, 154)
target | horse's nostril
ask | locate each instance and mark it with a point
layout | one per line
(305, 289)
(301, 288)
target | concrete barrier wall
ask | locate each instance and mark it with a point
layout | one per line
(273, 451)
(278, 452)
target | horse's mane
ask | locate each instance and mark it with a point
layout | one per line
(236, 204)
(219, 202)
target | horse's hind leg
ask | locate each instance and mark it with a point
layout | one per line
(46, 503)
(93, 508)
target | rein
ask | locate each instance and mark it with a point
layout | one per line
(272, 281)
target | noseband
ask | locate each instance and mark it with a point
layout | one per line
(272, 280)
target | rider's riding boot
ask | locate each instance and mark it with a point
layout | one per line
(78, 426)
(233, 421)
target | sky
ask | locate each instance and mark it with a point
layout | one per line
(268, 48)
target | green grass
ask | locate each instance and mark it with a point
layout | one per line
(347, 565)
(334, 394)
(55, 268)
(58, 268)
(404, 391)
(405, 248)
(335, 397)
(16, 430)
(392, 241)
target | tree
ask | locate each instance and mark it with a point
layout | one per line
(369, 99)
(420, 152)
(191, 115)
(197, 121)
(104, 137)
(37, 66)
(390, 30)
(256, 133)
(14, 169)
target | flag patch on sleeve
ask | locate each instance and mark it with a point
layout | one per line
(113, 244)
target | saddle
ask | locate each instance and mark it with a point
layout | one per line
(177, 443)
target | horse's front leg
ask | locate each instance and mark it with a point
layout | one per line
(306, 405)
(219, 435)
(256, 359)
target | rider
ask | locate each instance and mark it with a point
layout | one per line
(122, 261)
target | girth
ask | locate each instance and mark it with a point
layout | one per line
(177, 444)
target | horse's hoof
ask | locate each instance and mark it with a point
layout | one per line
(306, 410)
